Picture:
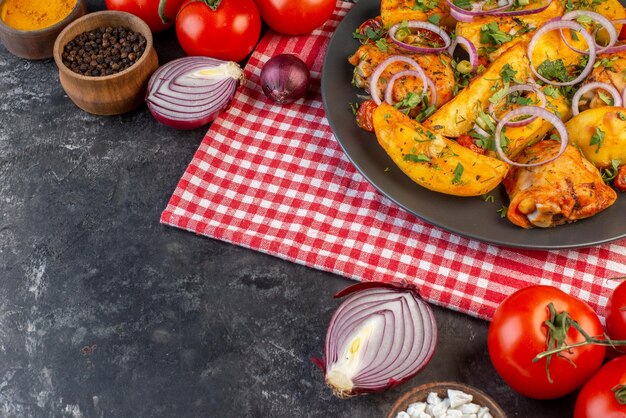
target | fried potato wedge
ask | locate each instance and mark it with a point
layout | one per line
(457, 117)
(600, 133)
(432, 161)
(516, 27)
(395, 11)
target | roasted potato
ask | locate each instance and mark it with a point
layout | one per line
(522, 136)
(458, 115)
(517, 28)
(432, 161)
(600, 133)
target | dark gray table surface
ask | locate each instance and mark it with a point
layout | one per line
(106, 313)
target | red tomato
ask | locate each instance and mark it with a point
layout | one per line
(619, 182)
(295, 17)
(622, 33)
(616, 313)
(468, 142)
(604, 395)
(148, 11)
(518, 333)
(229, 32)
(365, 115)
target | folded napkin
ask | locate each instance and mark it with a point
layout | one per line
(274, 179)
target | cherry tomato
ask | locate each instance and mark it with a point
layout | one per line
(365, 115)
(518, 333)
(148, 11)
(620, 180)
(468, 142)
(296, 17)
(622, 33)
(604, 395)
(229, 32)
(616, 314)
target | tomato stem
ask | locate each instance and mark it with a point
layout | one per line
(620, 394)
(558, 325)
(213, 4)
(164, 18)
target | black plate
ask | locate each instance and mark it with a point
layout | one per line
(471, 217)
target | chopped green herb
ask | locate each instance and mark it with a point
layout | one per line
(409, 102)
(463, 4)
(354, 107)
(488, 198)
(597, 139)
(490, 33)
(434, 19)
(553, 70)
(499, 95)
(607, 99)
(425, 5)
(382, 44)
(620, 115)
(610, 173)
(431, 135)
(458, 172)
(416, 158)
(508, 73)
(503, 210)
(387, 170)
(386, 116)
(551, 91)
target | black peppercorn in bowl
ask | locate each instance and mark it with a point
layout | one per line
(105, 61)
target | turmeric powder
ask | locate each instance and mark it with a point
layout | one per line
(35, 14)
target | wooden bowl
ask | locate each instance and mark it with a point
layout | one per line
(37, 44)
(112, 94)
(420, 393)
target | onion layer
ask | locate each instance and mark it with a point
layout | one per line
(379, 337)
(598, 18)
(469, 47)
(616, 48)
(533, 111)
(617, 98)
(190, 92)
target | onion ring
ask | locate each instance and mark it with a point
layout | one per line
(616, 48)
(408, 73)
(598, 18)
(513, 89)
(617, 98)
(412, 24)
(534, 111)
(469, 47)
(381, 67)
(563, 24)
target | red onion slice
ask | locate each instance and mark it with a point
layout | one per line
(190, 92)
(513, 89)
(377, 338)
(477, 10)
(430, 86)
(414, 24)
(563, 24)
(381, 67)
(461, 17)
(480, 131)
(469, 47)
(617, 98)
(533, 111)
(616, 48)
(598, 18)
(521, 12)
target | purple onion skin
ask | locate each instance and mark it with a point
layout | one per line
(285, 78)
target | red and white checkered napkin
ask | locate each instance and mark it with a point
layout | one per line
(274, 179)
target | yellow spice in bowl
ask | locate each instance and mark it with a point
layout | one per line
(35, 14)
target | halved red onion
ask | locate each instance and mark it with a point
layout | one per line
(597, 85)
(616, 48)
(563, 24)
(379, 337)
(598, 18)
(381, 67)
(415, 24)
(533, 111)
(190, 92)
(469, 47)
(409, 73)
(513, 89)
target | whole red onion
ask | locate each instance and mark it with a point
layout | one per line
(285, 78)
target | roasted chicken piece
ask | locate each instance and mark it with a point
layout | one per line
(611, 69)
(436, 66)
(562, 191)
(396, 11)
